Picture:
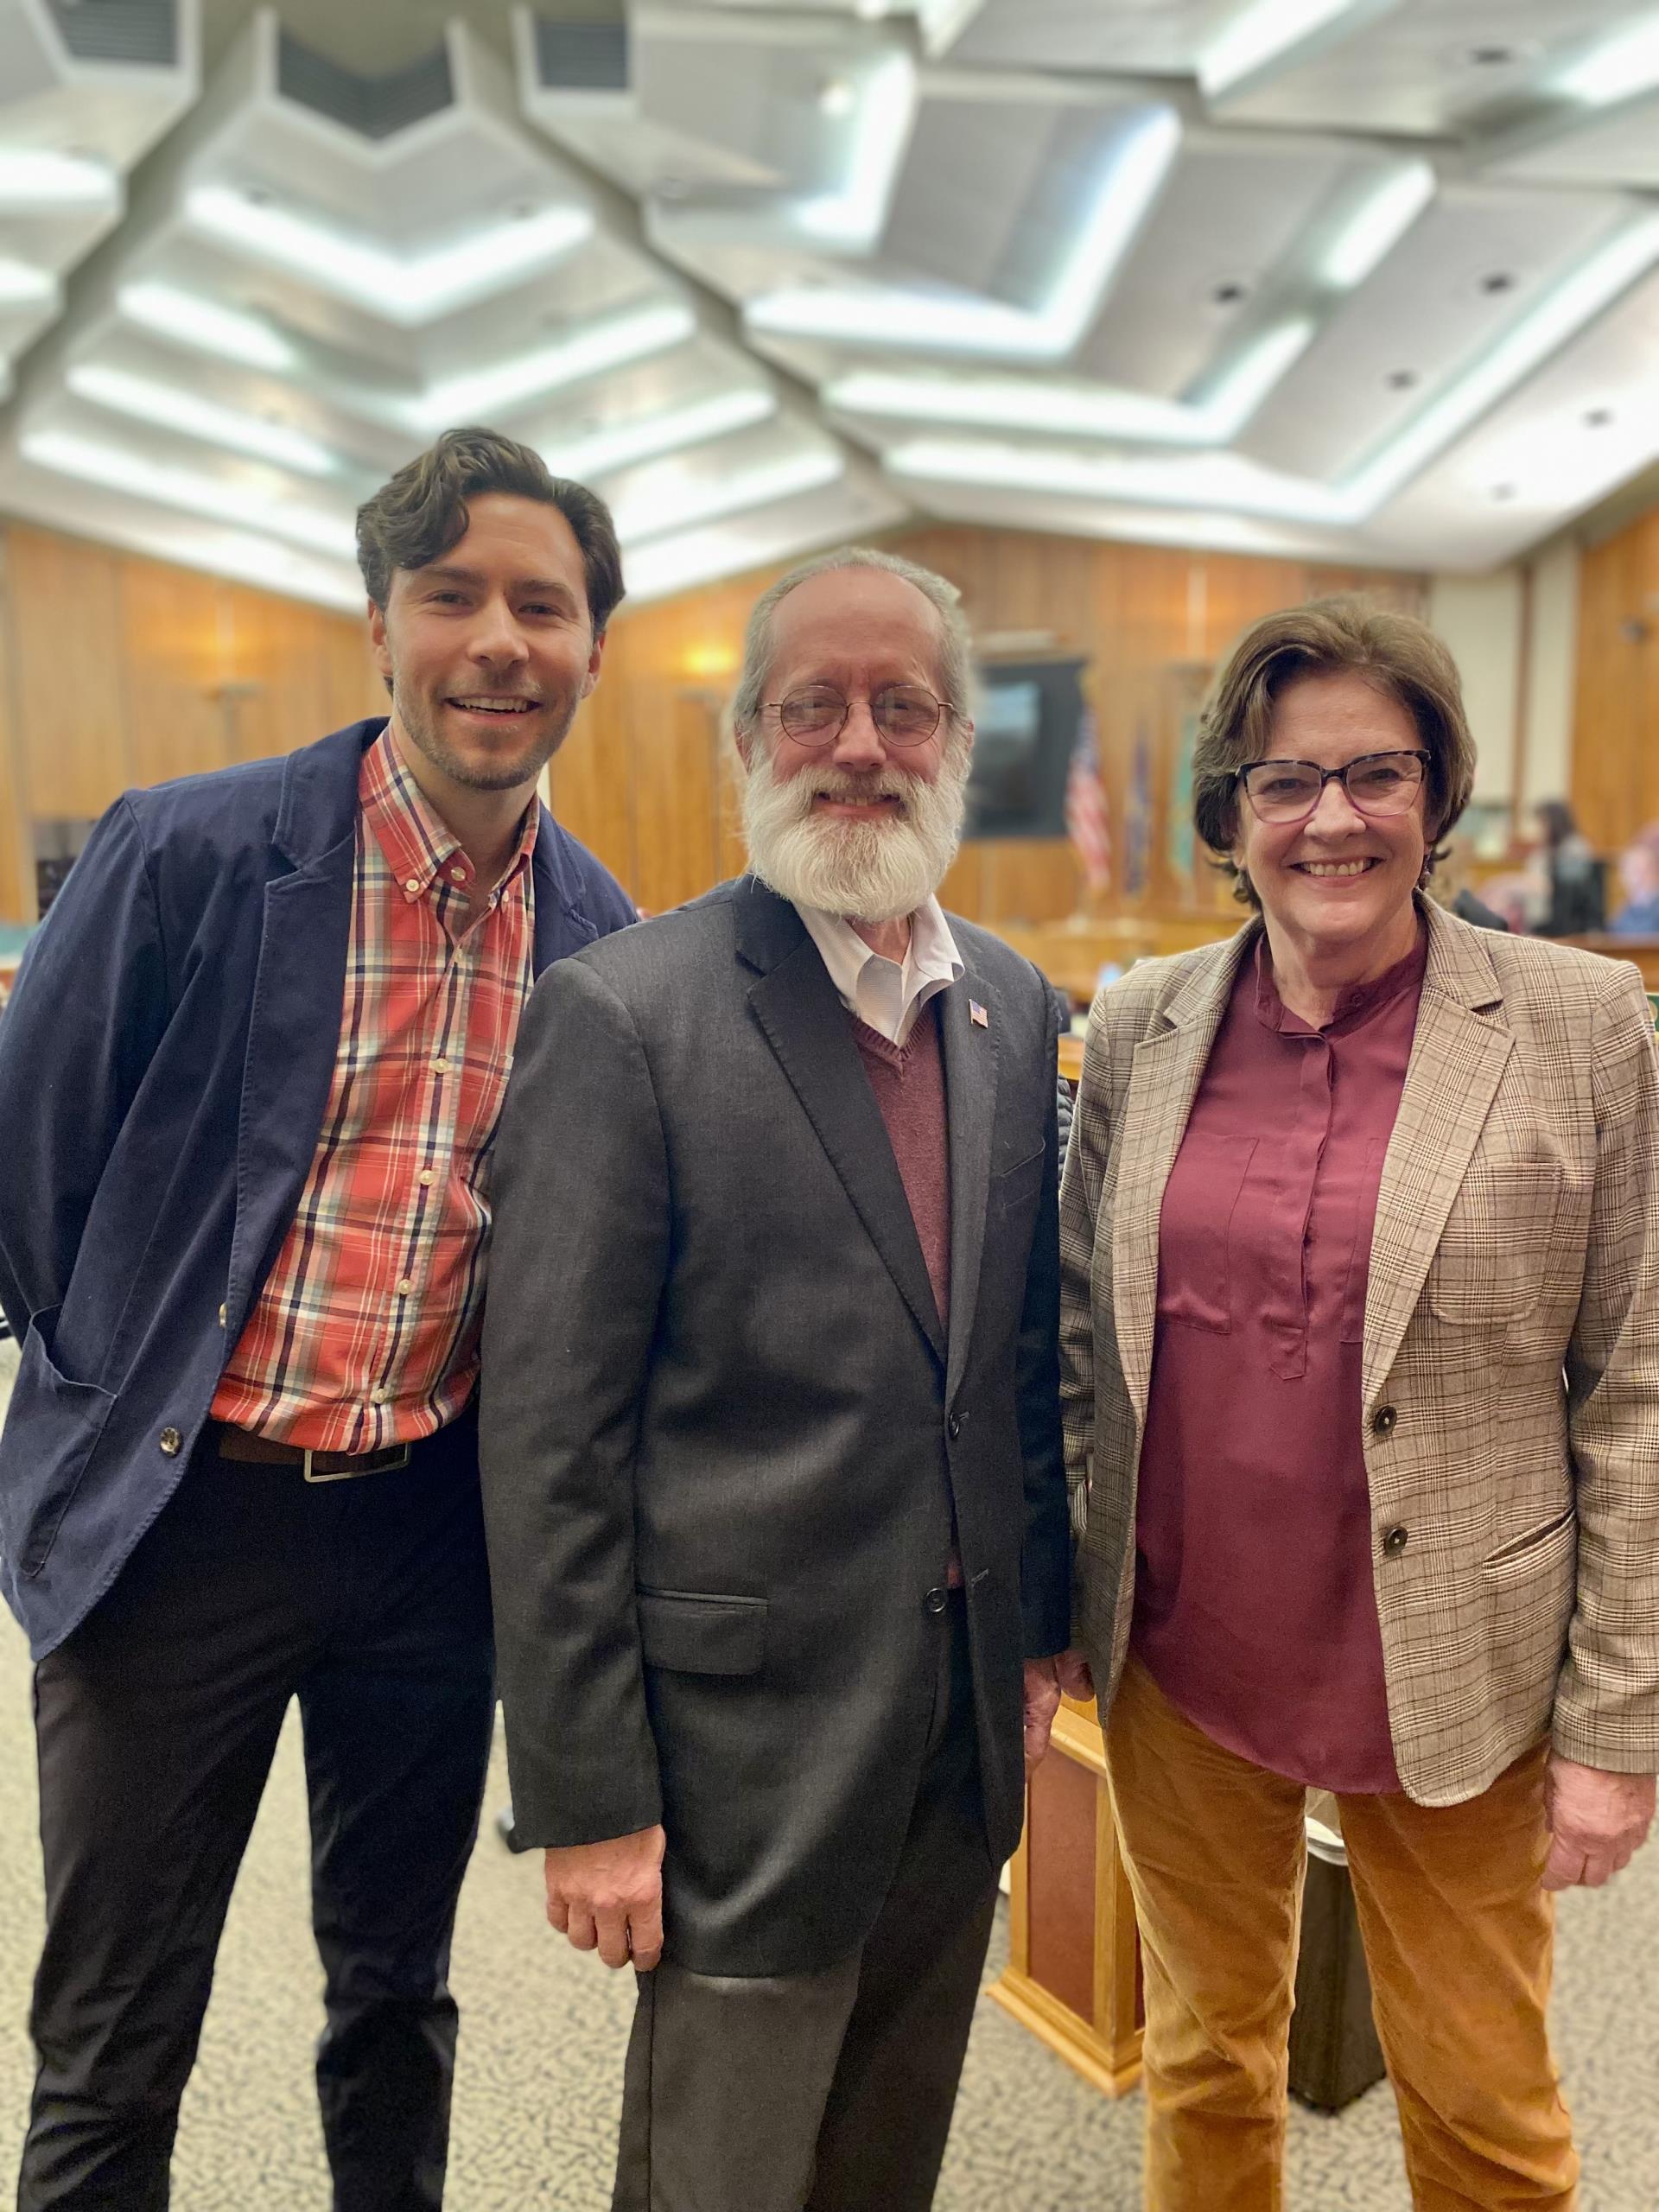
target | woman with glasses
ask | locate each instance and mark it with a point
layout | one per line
(1360, 1345)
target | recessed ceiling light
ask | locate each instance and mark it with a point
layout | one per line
(1498, 280)
(1401, 379)
(1228, 292)
(32, 177)
(1497, 55)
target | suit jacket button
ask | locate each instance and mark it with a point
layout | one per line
(1383, 1420)
(936, 1601)
(953, 1427)
(172, 1443)
(1395, 1542)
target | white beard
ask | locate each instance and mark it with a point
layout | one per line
(875, 871)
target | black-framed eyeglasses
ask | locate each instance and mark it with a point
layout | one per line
(1377, 784)
(904, 713)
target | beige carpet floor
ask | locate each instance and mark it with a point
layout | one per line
(536, 2092)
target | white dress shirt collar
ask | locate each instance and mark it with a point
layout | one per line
(886, 995)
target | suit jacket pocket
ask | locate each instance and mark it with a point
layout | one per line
(691, 1633)
(1534, 1550)
(50, 1433)
(1495, 1248)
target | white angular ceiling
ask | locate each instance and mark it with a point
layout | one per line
(1372, 278)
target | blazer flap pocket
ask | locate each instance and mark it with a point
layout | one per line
(694, 1634)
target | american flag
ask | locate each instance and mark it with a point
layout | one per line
(1087, 822)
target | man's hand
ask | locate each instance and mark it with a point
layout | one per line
(1597, 1820)
(609, 1897)
(1046, 1680)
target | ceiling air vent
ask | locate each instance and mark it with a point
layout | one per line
(144, 32)
(581, 57)
(375, 107)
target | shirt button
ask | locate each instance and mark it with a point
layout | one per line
(936, 1601)
(426, 1178)
(1383, 1420)
(224, 1321)
(405, 1286)
(1395, 1542)
(379, 1395)
(413, 883)
(441, 1065)
(953, 1427)
(458, 875)
(172, 1443)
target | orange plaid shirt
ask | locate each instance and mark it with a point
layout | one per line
(365, 1332)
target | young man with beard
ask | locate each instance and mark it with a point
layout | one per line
(249, 1082)
(771, 1443)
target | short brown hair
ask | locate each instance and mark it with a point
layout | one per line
(1396, 653)
(415, 517)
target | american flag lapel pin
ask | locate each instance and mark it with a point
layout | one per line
(977, 1015)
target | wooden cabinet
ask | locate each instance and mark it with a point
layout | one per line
(1073, 1975)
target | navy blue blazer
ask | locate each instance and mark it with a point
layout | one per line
(164, 1067)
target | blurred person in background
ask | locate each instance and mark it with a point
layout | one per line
(1572, 898)
(1450, 885)
(248, 1082)
(1638, 873)
(1360, 1367)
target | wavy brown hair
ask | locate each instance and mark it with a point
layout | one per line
(418, 514)
(1398, 655)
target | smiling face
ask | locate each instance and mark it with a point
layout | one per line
(490, 649)
(858, 827)
(1338, 886)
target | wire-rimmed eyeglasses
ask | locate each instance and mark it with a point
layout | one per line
(1376, 784)
(904, 713)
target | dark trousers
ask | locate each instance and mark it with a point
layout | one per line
(831, 2091)
(158, 1720)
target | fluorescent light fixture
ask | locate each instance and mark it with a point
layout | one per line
(1619, 67)
(1592, 288)
(194, 417)
(885, 108)
(1378, 227)
(204, 326)
(894, 316)
(119, 469)
(607, 345)
(1080, 411)
(1224, 480)
(669, 429)
(654, 512)
(30, 177)
(404, 289)
(1262, 32)
(248, 557)
(22, 285)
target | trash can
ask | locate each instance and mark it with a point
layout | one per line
(1334, 2054)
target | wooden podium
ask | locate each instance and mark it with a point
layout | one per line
(1073, 1976)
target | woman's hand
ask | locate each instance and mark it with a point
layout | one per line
(1597, 1821)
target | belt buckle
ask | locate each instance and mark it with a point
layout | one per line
(353, 1474)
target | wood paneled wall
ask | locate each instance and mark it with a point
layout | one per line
(1616, 721)
(116, 670)
(126, 671)
(647, 780)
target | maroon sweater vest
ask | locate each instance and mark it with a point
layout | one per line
(908, 1081)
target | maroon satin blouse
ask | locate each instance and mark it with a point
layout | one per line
(1255, 1608)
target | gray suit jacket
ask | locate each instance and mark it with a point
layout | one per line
(723, 1432)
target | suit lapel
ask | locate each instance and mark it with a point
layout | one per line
(1163, 1082)
(970, 1073)
(809, 1033)
(293, 1023)
(1457, 1057)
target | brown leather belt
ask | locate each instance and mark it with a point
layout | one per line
(317, 1466)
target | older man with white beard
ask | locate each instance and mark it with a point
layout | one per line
(769, 1435)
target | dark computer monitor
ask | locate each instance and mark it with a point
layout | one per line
(1026, 730)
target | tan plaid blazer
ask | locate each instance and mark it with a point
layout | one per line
(1509, 1406)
